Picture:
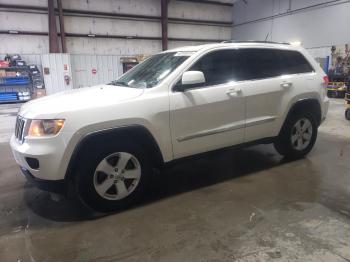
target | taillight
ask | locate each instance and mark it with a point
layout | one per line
(326, 80)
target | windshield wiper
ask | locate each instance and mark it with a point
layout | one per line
(116, 83)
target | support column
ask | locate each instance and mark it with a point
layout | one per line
(164, 21)
(53, 39)
(62, 31)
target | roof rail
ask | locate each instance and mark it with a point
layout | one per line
(253, 41)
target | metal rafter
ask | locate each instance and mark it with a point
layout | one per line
(53, 40)
(164, 22)
(62, 31)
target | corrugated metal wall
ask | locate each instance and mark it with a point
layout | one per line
(83, 70)
(58, 66)
(320, 51)
(81, 22)
(90, 70)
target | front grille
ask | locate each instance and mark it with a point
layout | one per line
(20, 128)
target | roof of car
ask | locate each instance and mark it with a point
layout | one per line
(229, 43)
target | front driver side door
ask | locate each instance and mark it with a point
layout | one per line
(212, 115)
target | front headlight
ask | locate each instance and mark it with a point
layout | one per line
(45, 127)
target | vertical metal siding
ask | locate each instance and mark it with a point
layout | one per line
(80, 68)
(320, 51)
(54, 82)
(108, 69)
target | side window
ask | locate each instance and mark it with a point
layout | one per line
(220, 67)
(261, 63)
(294, 62)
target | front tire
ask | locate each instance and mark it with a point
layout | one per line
(111, 178)
(298, 135)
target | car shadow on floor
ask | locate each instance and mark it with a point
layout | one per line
(184, 176)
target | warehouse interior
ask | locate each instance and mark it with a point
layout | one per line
(237, 204)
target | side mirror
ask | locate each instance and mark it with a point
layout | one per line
(191, 79)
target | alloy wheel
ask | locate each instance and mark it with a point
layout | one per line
(301, 134)
(117, 176)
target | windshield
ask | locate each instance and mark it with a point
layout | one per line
(152, 71)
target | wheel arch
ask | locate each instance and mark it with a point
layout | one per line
(136, 133)
(309, 104)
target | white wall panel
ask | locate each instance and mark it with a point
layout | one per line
(256, 31)
(86, 25)
(142, 7)
(27, 2)
(321, 32)
(108, 69)
(24, 22)
(199, 11)
(79, 45)
(176, 44)
(320, 51)
(252, 10)
(199, 31)
(54, 81)
(297, 4)
(314, 27)
(24, 44)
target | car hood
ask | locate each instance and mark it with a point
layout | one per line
(78, 99)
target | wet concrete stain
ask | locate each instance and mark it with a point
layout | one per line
(246, 205)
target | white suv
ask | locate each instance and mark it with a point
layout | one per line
(106, 140)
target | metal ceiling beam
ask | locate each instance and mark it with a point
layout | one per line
(53, 39)
(164, 22)
(62, 31)
(210, 2)
(127, 37)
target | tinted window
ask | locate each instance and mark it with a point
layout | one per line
(261, 63)
(248, 64)
(220, 67)
(294, 62)
(265, 63)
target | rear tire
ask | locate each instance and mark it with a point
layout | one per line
(298, 135)
(347, 114)
(112, 177)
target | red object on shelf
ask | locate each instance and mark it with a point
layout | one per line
(4, 64)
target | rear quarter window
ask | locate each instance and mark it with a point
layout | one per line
(261, 63)
(293, 62)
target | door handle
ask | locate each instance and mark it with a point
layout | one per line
(233, 91)
(286, 85)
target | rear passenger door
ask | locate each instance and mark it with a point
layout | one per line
(263, 91)
(272, 76)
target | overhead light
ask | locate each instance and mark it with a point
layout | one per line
(91, 35)
(13, 32)
(296, 43)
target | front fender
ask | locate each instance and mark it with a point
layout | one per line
(133, 131)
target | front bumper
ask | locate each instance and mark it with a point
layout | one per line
(47, 151)
(56, 186)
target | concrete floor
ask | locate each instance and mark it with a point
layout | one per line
(247, 205)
